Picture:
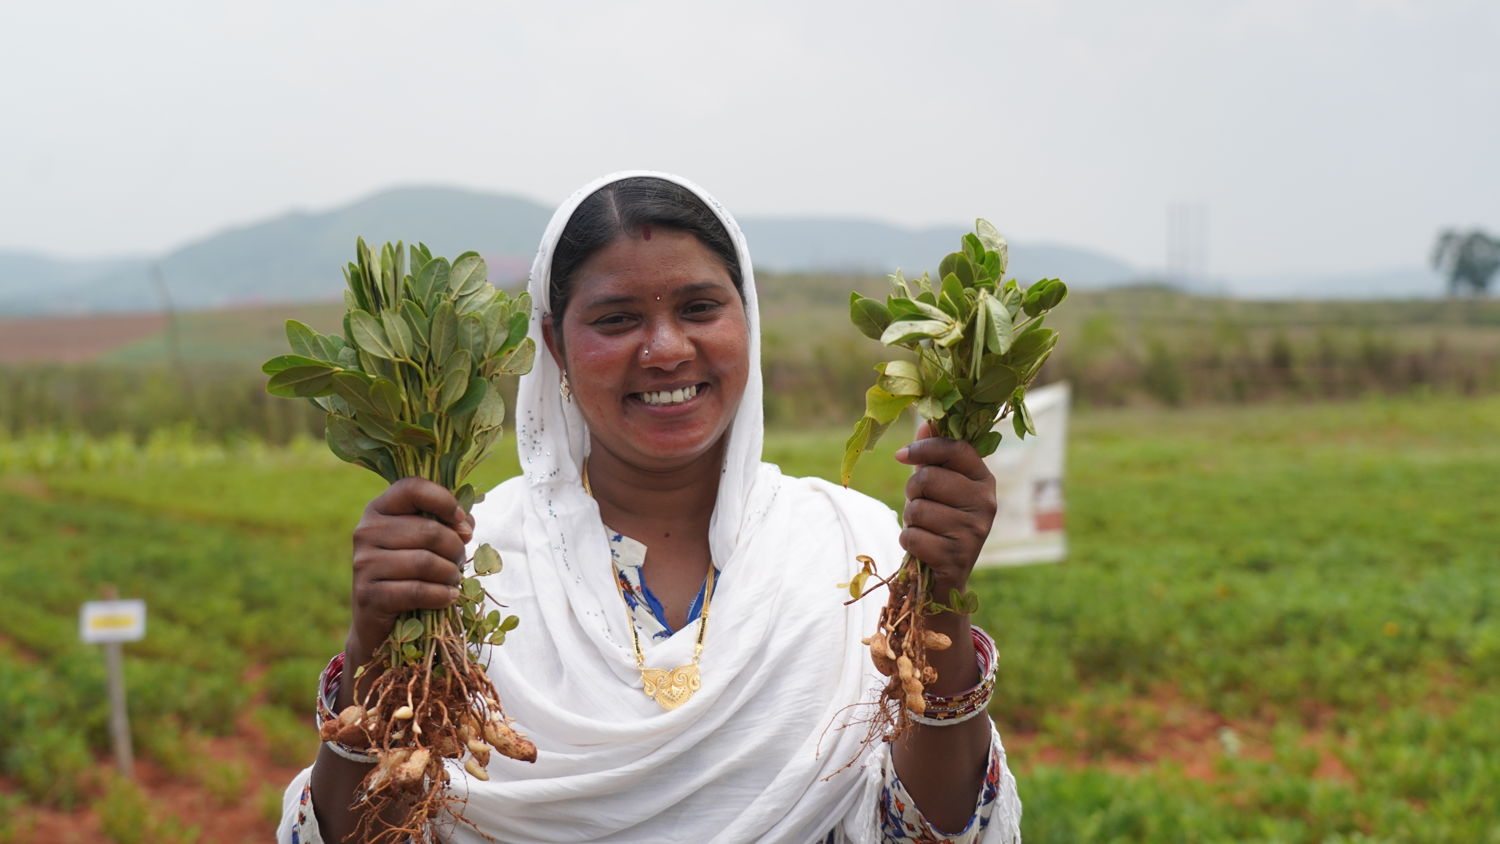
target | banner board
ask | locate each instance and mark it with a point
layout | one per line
(112, 621)
(1029, 485)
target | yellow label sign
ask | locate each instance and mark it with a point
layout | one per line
(112, 621)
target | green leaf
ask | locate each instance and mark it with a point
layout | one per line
(471, 590)
(385, 396)
(510, 623)
(930, 310)
(1044, 296)
(900, 378)
(345, 439)
(354, 388)
(469, 275)
(431, 282)
(518, 361)
(973, 249)
(470, 399)
(994, 242)
(1030, 351)
(455, 380)
(1021, 419)
(415, 436)
(474, 336)
(281, 362)
(397, 332)
(487, 560)
(930, 407)
(987, 444)
(1000, 331)
(882, 407)
(964, 269)
(911, 330)
(302, 382)
(418, 326)
(491, 411)
(475, 302)
(1010, 296)
(304, 341)
(465, 496)
(951, 302)
(444, 337)
(377, 427)
(332, 347)
(858, 443)
(995, 384)
(949, 265)
(519, 323)
(408, 629)
(369, 336)
(868, 315)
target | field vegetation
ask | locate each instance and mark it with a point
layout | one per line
(1279, 619)
(1122, 348)
(1277, 623)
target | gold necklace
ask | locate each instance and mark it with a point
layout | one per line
(670, 689)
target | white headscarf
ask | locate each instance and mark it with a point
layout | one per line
(758, 754)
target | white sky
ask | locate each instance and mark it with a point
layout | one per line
(1321, 136)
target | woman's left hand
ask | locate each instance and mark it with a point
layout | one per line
(950, 506)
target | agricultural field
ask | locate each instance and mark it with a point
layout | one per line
(1129, 347)
(1276, 623)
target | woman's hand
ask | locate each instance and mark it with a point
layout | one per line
(950, 506)
(404, 560)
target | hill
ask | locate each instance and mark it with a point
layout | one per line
(295, 257)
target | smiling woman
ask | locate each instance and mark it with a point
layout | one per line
(687, 668)
(654, 348)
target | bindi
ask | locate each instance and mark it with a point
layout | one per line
(645, 231)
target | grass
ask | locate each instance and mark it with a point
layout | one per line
(1276, 623)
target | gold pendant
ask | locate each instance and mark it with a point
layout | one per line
(671, 689)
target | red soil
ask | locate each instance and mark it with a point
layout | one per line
(72, 339)
(1163, 729)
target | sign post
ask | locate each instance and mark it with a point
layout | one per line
(1028, 473)
(110, 622)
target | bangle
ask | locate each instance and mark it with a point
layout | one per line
(947, 710)
(328, 695)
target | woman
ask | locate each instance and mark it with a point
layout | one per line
(648, 549)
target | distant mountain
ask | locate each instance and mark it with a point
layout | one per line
(1414, 282)
(24, 274)
(296, 257)
(793, 244)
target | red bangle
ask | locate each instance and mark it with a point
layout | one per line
(947, 710)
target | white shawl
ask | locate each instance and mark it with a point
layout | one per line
(772, 747)
(741, 760)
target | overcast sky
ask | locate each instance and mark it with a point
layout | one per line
(1319, 136)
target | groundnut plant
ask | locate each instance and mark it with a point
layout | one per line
(412, 389)
(976, 341)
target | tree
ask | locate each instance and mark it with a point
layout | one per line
(1467, 258)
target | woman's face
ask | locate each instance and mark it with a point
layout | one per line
(656, 348)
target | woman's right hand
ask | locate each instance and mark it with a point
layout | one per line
(404, 560)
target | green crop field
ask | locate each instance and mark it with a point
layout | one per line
(1276, 623)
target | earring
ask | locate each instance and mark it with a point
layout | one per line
(565, 389)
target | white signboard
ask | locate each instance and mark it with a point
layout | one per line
(112, 621)
(1029, 485)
